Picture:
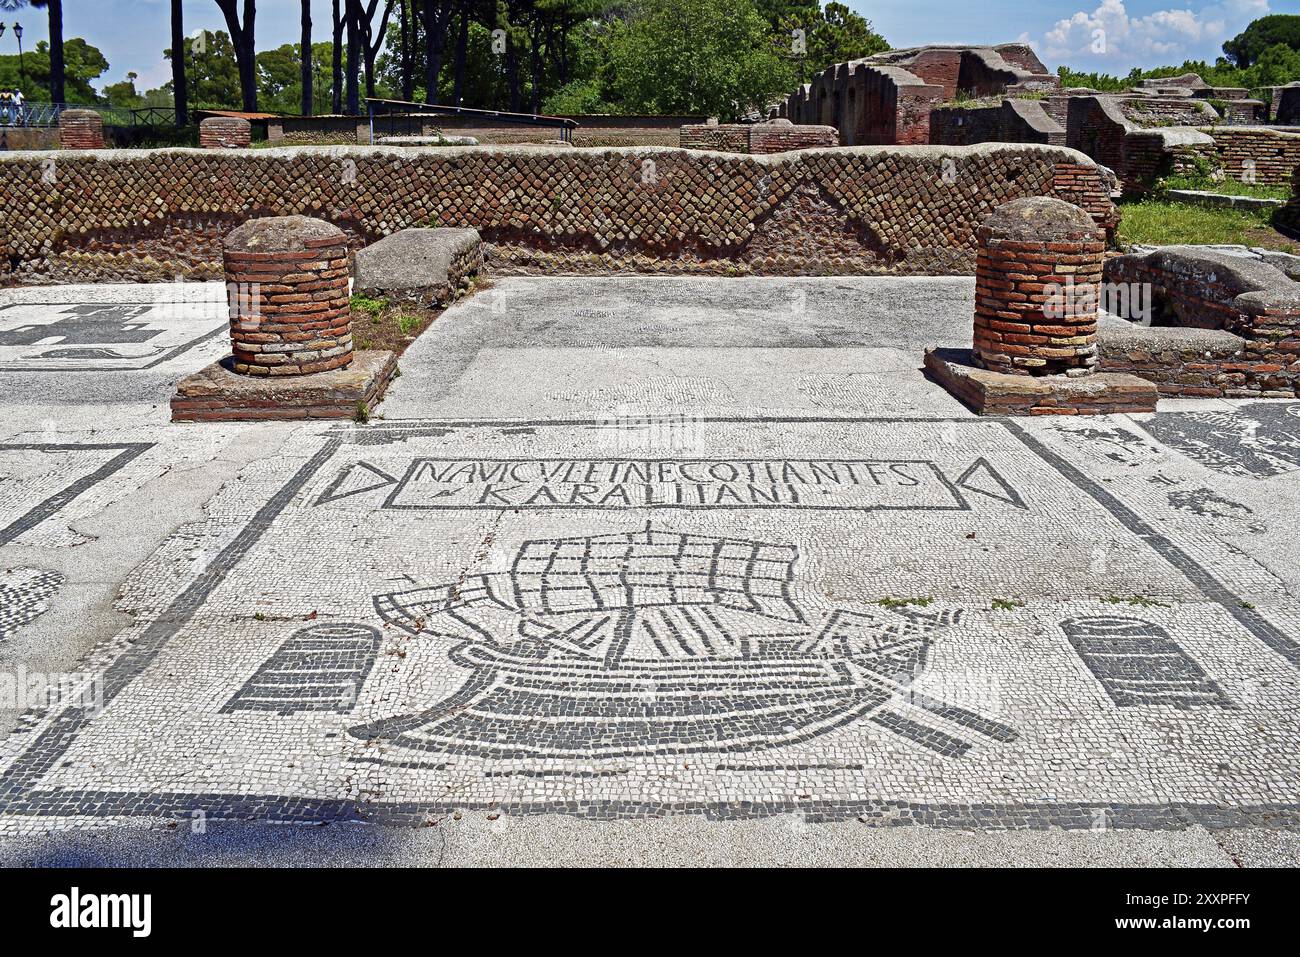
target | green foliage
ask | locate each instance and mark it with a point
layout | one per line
(904, 602)
(578, 96)
(833, 35)
(211, 72)
(279, 78)
(712, 57)
(83, 64)
(1247, 47)
(371, 307)
(1276, 65)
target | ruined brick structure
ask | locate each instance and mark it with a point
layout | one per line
(161, 213)
(1269, 156)
(1101, 127)
(1287, 219)
(287, 280)
(1010, 121)
(887, 98)
(81, 130)
(225, 133)
(1036, 319)
(1034, 256)
(772, 136)
(1253, 307)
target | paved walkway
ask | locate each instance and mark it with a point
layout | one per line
(626, 548)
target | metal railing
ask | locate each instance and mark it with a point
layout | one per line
(397, 110)
(47, 115)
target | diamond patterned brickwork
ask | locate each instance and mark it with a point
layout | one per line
(152, 214)
(1036, 286)
(287, 279)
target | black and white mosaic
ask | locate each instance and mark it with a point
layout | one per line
(1256, 440)
(104, 336)
(650, 643)
(25, 595)
(940, 643)
(1139, 663)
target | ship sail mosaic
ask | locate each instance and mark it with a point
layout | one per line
(657, 642)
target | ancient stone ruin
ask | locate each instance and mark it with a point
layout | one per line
(1036, 306)
(290, 332)
(81, 130)
(225, 133)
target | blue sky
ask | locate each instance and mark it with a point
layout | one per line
(133, 33)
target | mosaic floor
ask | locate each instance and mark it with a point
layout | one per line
(901, 619)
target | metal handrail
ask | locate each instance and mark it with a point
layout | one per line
(47, 114)
(376, 106)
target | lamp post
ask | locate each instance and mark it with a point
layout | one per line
(22, 70)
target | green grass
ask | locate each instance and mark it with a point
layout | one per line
(1137, 601)
(1227, 187)
(1007, 604)
(371, 307)
(1156, 222)
(903, 602)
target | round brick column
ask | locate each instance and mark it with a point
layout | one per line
(287, 282)
(1037, 280)
(225, 133)
(81, 130)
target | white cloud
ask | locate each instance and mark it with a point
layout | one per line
(1110, 33)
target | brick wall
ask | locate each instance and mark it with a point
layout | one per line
(160, 213)
(1275, 154)
(225, 133)
(1286, 105)
(773, 137)
(719, 137)
(1244, 112)
(1204, 290)
(1011, 121)
(593, 130)
(81, 130)
(1151, 111)
(1287, 219)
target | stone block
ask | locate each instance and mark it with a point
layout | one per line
(988, 392)
(219, 394)
(419, 265)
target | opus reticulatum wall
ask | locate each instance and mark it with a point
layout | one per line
(157, 214)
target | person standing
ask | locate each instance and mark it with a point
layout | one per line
(20, 108)
(6, 107)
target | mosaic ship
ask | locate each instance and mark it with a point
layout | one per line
(648, 642)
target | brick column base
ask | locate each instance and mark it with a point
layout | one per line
(1037, 281)
(287, 280)
(81, 130)
(225, 133)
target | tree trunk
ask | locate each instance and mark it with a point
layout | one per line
(435, 33)
(56, 51)
(354, 59)
(535, 56)
(462, 47)
(308, 103)
(336, 102)
(180, 92)
(244, 38)
(512, 73)
(408, 80)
